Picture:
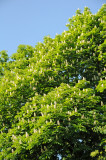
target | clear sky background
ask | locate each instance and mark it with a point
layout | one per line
(28, 21)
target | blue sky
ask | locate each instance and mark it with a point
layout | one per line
(28, 21)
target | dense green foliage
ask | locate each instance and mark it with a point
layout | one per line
(52, 97)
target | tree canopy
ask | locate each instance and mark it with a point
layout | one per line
(52, 96)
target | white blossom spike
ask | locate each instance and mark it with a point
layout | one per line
(23, 119)
(58, 122)
(75, 109)
(33, 120)
(69, 119)
(82, 116)
(55, 102)
(35, 131)
(94, 122)
(26, 134)
(54, 106)
(20, 142)
(101, 103)
(27, 111)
